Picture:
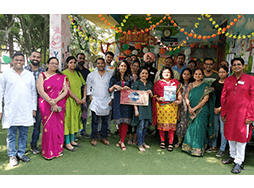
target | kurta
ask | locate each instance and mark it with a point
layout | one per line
(165, 113)
(72, 120)
(145, 112)
(121, 113)
(20, 98)
(237, 104)
(98, 89)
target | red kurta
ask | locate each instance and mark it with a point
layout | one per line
(237, 103)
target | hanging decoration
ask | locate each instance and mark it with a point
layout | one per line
(119, 29)
(98, 48)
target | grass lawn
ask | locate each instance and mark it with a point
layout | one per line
(111, 160)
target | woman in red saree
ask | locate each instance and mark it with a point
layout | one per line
(53, 89)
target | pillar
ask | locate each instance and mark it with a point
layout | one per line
(59, 38)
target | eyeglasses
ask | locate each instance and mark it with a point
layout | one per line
(237, 64)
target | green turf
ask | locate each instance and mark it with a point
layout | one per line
(111, 160)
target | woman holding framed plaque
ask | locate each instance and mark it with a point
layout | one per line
(167, 98)
(143, 114)
(122, 114)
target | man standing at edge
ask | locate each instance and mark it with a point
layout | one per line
(17, 88)
(84, 72)
(237, 113)
(180, 66)
(36, 69)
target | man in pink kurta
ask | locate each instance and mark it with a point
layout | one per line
(237, 112)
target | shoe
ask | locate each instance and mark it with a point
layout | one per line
(109, 133)
(75, 138)
(237, 169)
(85, 135)
(73, 149)
(105, 141)
(116, 132)
(35, 150)
(227, 161)
(94, 142)
(220, 153)
(13, 161)
(24, 158)
(211, 150)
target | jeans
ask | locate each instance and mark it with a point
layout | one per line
(218, 121)
(104, 126)
(141, 131)
(11, 141)
(36, 128)
(83, 131)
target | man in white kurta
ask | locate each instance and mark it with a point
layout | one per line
(97, 84)
(18, 93)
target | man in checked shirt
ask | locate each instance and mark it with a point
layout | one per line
(36, 69)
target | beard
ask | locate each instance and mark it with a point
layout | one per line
(81, 63)
(35, 63)
(148, 64)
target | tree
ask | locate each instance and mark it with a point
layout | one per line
(82, 44)
(29, 31)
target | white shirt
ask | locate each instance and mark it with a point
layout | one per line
(19, 95)
(99, 92)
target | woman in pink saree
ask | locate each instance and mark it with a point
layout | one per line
(53, 89)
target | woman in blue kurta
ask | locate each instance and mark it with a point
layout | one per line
(143, 114)
(122, 114)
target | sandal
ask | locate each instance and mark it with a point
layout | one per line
(123, 147)
(237, 169)
(227, 161)
(163, 145)
(170, 147)
(146, 146)
(129, 142)
(141, 148)
(135, 142)
(178, 145)
(118, 144)
(94, 142)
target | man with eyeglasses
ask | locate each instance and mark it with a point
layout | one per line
(35, 68)
(17, 91)
(210, 75)
(237, 113)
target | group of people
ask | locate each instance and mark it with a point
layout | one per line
(204, 102)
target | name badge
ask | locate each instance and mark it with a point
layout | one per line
(151, 72)
(241, 82)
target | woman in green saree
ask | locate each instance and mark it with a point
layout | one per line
(200, 100)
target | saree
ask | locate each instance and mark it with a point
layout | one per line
(53, 122)
(200, 129)
(165, 114)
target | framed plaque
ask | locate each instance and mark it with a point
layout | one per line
(134, 97)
